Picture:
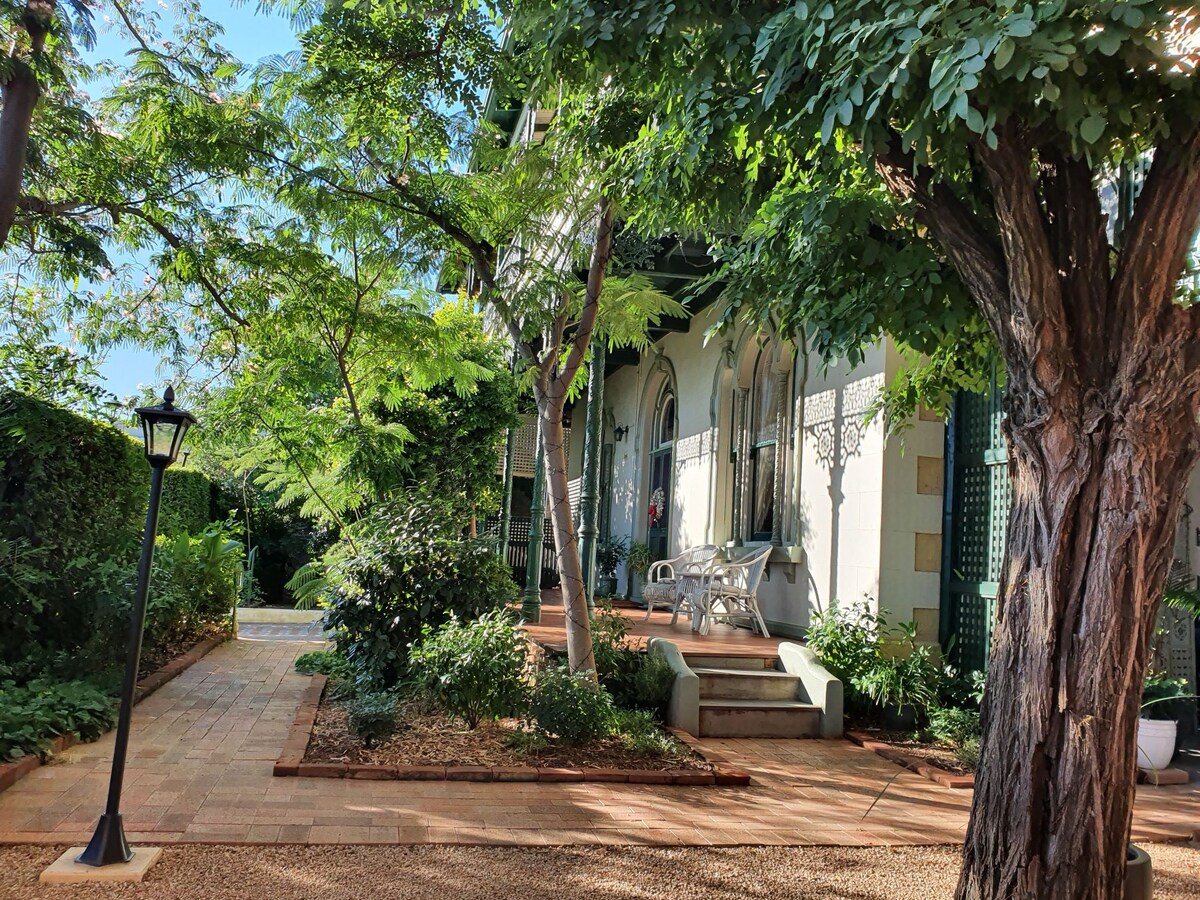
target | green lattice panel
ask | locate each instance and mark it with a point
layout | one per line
(972, 536)
(973, 626)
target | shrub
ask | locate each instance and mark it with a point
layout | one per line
(32, 714)
(572, 708)
(635, 679)
(409, 568)
(968, 752)
(642, 733)
(194, 584)
(371, 717)
(954, 726)
(186, 502)
(473, 669)
(882, 666)
(324, 662)
(73, 492)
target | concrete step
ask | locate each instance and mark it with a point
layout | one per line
(748, 684)
(759, 718)
(750, 663)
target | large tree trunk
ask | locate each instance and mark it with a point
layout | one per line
(570, 570)
(20, 94)
(1090, 537)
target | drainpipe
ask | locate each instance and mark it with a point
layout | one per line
(531, 603)
(714, 412)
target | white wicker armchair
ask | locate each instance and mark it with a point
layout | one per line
(667, 579)
(731, 592)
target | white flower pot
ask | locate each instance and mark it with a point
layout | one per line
(1155, 743)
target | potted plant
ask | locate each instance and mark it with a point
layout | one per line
(638, 562)
(609, 555)
(1157, 726)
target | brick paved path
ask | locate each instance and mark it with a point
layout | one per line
(203, 747)
(262, 631)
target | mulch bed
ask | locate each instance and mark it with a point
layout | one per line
(155, 658)
(429, 745)
(429, 738)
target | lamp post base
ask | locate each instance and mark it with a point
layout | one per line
(108, 845)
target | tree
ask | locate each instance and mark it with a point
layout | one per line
(922, 169)
(380, 110)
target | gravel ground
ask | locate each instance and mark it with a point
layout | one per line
(467, 873)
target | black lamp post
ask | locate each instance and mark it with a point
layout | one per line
(163, 428)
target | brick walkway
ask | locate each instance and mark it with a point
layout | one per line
(203, 747)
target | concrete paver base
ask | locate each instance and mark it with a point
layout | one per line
(65, 870)
(203, 748)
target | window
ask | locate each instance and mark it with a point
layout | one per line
(661, 458)
(763, 449)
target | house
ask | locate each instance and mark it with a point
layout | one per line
(746, 439)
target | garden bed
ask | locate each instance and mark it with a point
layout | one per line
(429, 745)
(933, 761)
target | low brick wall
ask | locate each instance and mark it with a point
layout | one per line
(11, 773)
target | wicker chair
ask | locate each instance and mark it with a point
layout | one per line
(731, 592)
(668, 577)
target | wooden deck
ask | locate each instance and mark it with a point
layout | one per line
(722, 640)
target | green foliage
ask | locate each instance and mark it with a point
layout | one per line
(954, 726)
(1163, 696)
(610, 554)
(635, 679)
(572, 708)
(371, 717)
(406, 566)
(473, 669)
(187, 502)
(639, 558)
(42, 709)
(882, 667)
(642, 733)
(194, 584)
(324, 662)
(72, 504)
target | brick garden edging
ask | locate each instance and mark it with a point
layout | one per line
(922, 767)
(11, 773)
(291, 762)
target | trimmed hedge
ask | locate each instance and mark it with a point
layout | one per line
(75, 491)
(187, 502)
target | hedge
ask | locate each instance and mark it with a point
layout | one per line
(187, 502)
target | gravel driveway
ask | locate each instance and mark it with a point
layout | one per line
(484, 873)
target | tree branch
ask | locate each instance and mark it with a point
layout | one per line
(601, 254)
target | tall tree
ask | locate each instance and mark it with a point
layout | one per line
(909, 166)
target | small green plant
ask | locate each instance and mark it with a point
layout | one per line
(525, 742)
(610, 554)
(968, 752)
(641, 732)
(954, 726)
(639, 559)
(636, 679)
(572, 708)
(371, 717)
(34, 713)
(1161, 696)
(472, 669)
(325, 662)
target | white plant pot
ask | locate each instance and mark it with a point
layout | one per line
(1155, 743)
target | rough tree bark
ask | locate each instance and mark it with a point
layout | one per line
(1102, 403)
(20, 93)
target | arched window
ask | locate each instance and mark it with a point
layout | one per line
(662, 448)
(763, 448)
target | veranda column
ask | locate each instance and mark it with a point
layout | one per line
(510, 448)
(531, 605)
(781, 434)
(739, 469)
(589, 493)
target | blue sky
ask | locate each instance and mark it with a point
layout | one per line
(249, 35)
